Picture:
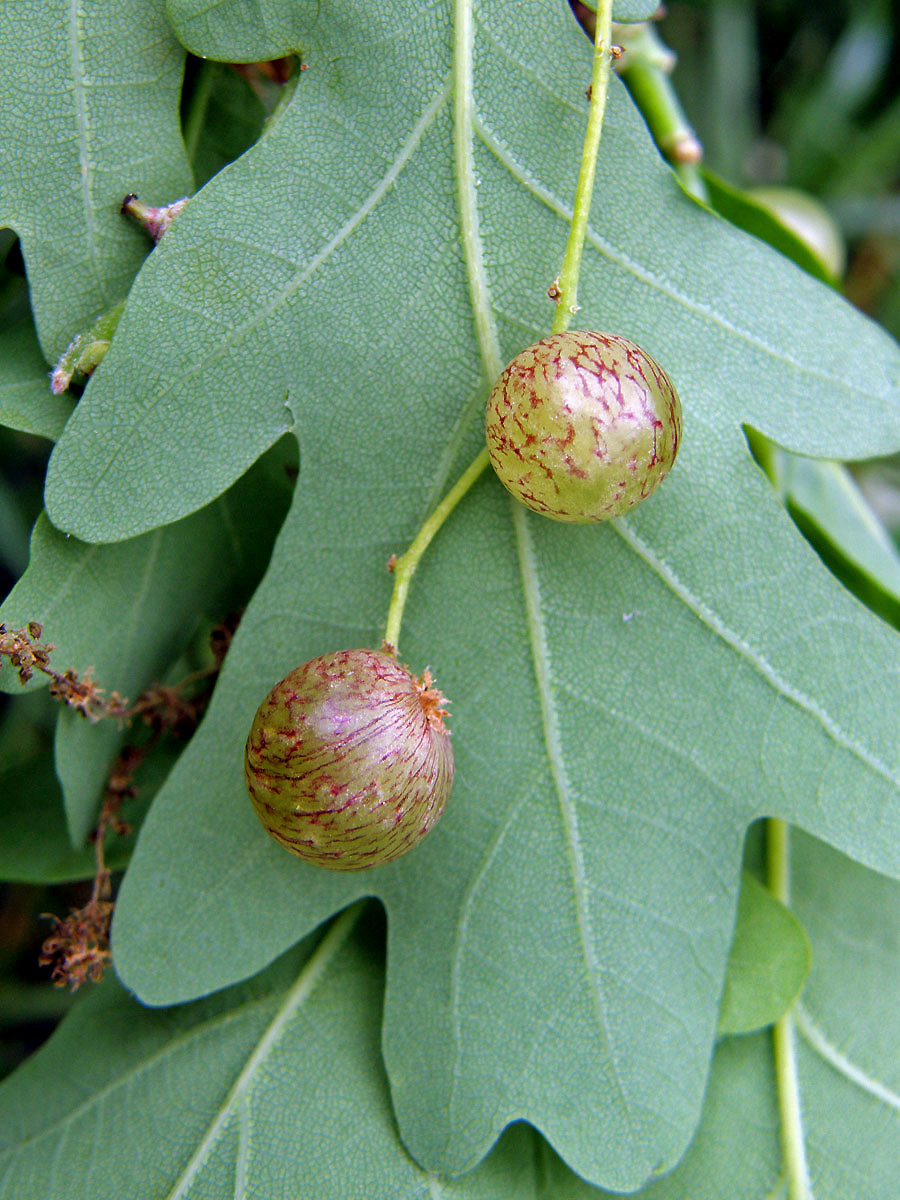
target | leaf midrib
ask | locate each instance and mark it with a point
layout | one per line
(196, 1032)
(555, 757)
(76, 38)
(310, 976)
(306, 982)
(702, 611)
(464, 113)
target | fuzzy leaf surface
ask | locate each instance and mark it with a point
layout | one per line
(88, 112)
(320, 1084)
(625, 699)
(846, 1033)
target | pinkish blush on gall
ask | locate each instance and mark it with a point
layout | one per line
(583, 426)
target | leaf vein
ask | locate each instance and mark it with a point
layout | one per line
(76, 37)
(306, 982)
(816, 1040)
(465, 911)
(716, 625)
(219, 1020)
(243, 1155)
(264, 312)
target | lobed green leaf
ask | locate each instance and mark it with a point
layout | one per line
(88, 113)
(204, 1098)
(626, 699)
(207, 1099)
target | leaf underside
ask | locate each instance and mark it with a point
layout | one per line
(203, 1098)
(625, 699)
(137, 605)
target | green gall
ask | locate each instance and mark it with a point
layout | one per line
(348, 762)
(582, 426)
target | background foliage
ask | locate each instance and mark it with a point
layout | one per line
(626, 700)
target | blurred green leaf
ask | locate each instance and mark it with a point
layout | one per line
(815, 117)
(879, 480)
(871, 160)
(889, 304)
(35, 846)
(32, 1002)
(13, 531)
(729, 81)
(753, 216)
(34, 839)
(225, 117)
(831, 511)
(767, 964)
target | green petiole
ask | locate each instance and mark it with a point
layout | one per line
(405, 566)
(567, 304)
(644, 68)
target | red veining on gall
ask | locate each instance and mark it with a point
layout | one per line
(582, 426)
(348, 762)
